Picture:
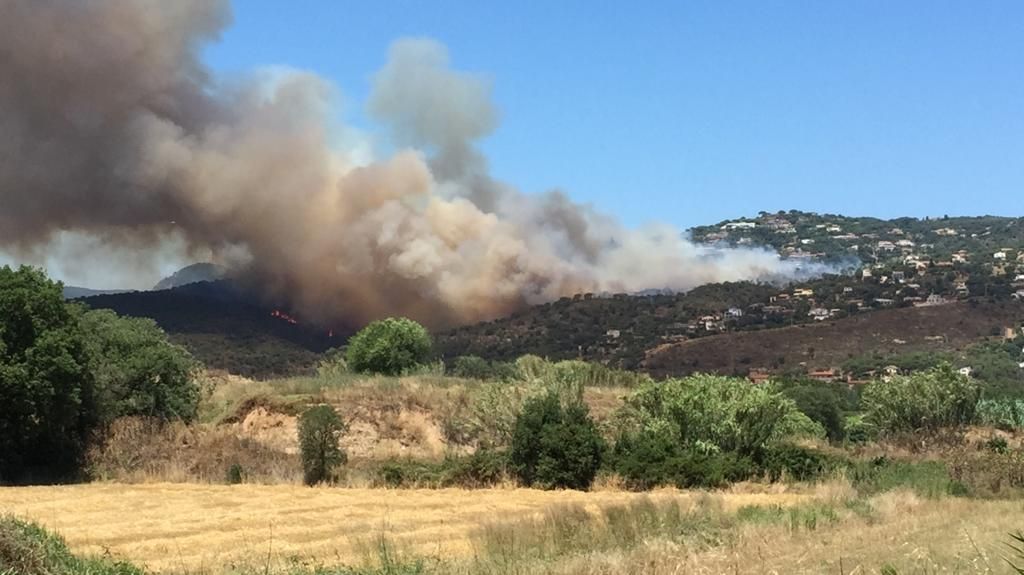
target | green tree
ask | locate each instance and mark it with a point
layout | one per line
(137, 370)
(821, 404)
(320, 430)
(46, 388)
(555, 446)
(390, 346)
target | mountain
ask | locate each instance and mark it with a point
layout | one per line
(199, 272)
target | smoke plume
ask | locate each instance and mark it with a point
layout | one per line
(112, 129)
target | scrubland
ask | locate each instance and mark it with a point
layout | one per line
(160, 498)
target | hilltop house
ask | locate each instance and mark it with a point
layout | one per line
(819, 314)
(739, 226)
(999, 256)
(803, 292)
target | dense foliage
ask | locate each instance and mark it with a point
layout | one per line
(137, 371)
(925, 400)
(716, 414)
(390, 346)
(47, 390)
(64, 372)
(555, 444)
(320, 431)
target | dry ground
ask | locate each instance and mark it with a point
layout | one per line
(181, 527)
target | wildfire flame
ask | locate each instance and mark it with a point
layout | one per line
(283, 316)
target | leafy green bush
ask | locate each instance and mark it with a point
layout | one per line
(555, 445)
(795, 462)
(926, 400)
(389, 346)
(476, 367)
(1005, 414)
(649, 459)
(482, 469)
(320, 430)
(714, 414)
(27, 549)
(138, 371)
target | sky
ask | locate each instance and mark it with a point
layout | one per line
(692, 112)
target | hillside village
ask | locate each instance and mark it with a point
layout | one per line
(879, 265)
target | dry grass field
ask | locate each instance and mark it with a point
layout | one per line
(208, 529)
(183, 527)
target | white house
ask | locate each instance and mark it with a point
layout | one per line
(999, 255)
(734, 312)
(966, 371)
(819, 314)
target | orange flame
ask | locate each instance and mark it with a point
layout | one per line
(283, 316)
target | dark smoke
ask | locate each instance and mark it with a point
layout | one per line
(116, 138)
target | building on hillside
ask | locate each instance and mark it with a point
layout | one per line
(803, 292)
(865, 273)
(819, 314)
(999, 256)
(758, 375)
(739, 226)
(734, 312)
(946, 232)
(823, 375)
(886, 246)
(966, 371)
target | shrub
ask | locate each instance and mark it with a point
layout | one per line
(475, 367)
(235, 474)
(714, 414)
(320, 429)
(1005, 414)
(27, 549)
(390, 346)
(927, 400)
(649, 459)
(795, 462)
(555, 446)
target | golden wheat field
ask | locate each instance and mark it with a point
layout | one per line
(182, 527)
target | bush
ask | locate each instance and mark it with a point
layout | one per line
(235, 474)
(27, 549)
(797, 463)
(927, 400)
(714, 414)
(555, 446)
(650, 459)
(1005, 414)
(481, 469)
(320, 430)
(390, 346)
(475, 367)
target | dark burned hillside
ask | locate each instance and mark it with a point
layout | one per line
(616, 329)
(682, 334)
(826, 345)
(225, 328)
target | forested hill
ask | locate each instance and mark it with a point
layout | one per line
(871, 240)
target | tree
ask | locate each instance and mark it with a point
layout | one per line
(390, 347)
(46, 388)
(821, 404)
(137, 370)
(555, 446)
(320, 430)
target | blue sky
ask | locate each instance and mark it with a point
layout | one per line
(692, 112)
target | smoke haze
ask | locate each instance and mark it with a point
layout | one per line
(112, 131)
